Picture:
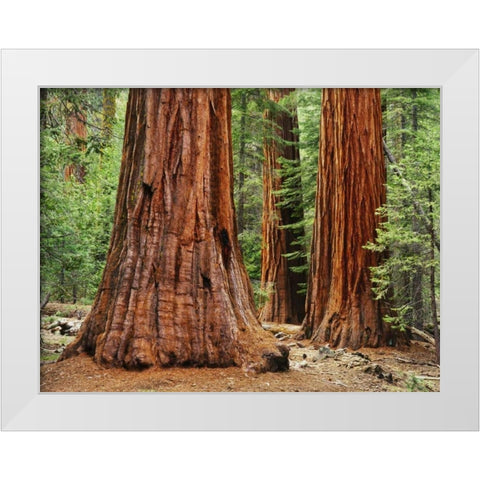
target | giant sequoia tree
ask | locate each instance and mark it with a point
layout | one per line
(285, 304)
(351, 180)
(174, 290)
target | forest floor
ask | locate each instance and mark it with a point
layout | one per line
(313, 368)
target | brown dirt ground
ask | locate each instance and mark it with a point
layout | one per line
(342, 371)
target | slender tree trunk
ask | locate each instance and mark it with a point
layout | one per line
(403, 136)
(405, 285)
(44, 302)
(74, 292)
(43, 107)
(174, 290)
(241, 175)
(433, 301)
(109, 109)
(417, 283)
(417, 277)
(341, 309)
(414, 111)
(62, 284)
(285, 304)
(76, 132)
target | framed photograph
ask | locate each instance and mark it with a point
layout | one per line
(444, 80)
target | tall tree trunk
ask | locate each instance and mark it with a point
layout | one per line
(433, 300)
(404, 289)
(109, 109)
(241, 175)
(76, 132)
(340, 305)
(174, 290)
(62, 284)
(417, 277)
(285, 304)
(43, 108)
(74, 291)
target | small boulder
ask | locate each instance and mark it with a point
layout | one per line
(357, 362)
(374, 369)
(324, 352)
(361, 355)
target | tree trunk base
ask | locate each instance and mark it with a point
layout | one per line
(258, 355)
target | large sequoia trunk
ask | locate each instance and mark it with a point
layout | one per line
(341, 309)
(174, 290)
(284, 304)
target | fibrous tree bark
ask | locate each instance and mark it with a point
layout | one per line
(241, 174)
(76, 133)
(341, 308)
(174, 290)
(284, 304)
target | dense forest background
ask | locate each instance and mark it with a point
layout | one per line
(81, 148)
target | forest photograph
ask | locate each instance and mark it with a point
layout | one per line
(239, 239)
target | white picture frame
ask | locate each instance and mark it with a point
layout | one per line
(24, 407)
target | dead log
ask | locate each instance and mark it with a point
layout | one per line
(428, 338)
(286, 328)
(404, 360)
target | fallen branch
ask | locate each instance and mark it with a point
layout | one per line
(285, 328)
(404, 360)
(428, 338)
(425, 377)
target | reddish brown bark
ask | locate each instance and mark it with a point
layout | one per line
(285, 304)
(341, 309)
(76, 132)
(175, 291)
